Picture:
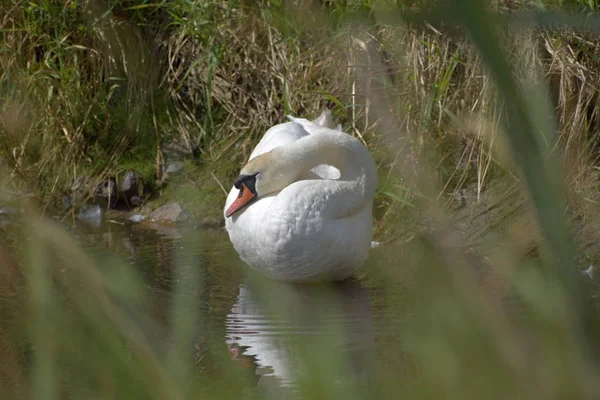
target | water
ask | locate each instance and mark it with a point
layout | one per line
(402, 321)
(265, 329)
(269, 337)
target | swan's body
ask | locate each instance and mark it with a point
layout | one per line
(306, 213)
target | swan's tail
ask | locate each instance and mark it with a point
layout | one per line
(325, 120)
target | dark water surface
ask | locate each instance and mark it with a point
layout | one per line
(274, 333)
(401, 321)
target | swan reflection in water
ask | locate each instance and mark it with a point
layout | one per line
(290, 333)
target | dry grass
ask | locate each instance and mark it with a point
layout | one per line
(89, 87)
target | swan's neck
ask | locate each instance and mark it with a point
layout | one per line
(358, 178)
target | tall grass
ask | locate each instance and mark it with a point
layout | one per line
(446, 97)
(105, 85)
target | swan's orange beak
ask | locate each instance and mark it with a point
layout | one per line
(243, 199)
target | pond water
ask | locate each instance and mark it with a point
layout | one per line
(252, 336)
(272, 331)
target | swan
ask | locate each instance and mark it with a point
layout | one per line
(301, 208)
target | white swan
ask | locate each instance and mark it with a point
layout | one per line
(301, 209)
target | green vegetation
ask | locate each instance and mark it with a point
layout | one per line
(484, 126)
(95, 87)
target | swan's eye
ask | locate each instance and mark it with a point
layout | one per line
(247, 187)
(247, 180)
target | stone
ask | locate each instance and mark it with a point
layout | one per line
(459, 198)
(129, 184)
(106, 193)
(173, 212)
(90, 213)
(135, 201)
(136, 218)
(131, 189)
(177, 150)
(7, 210)
(174, 167)
(67, 201)
(75, 191)
(78, 184)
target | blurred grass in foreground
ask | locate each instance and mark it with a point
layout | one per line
(449, 332)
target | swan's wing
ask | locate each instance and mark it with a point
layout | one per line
(289, 132)
(325, 119)
(279, 135)
(315, 126)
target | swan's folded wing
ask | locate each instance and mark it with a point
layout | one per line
(279, 135)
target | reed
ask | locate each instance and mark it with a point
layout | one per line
(483, 121)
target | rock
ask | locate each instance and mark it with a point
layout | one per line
(135, 201)
(459, 198)
(180, 149)
(177, 150)
(78, 184)
(129, 184)
(67, 201)
(75, 191)
(90, 213)
(136, 218)
(7, 211)
(131, 188)
(107, 188)
(106, 194)
(173, 167)
(173, 212)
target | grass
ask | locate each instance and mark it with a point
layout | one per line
(486, 140)
(205, 85)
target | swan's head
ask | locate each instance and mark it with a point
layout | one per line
(265, 174)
